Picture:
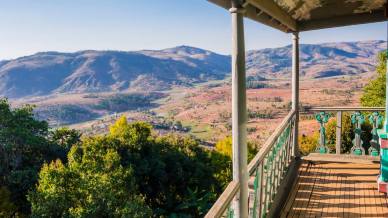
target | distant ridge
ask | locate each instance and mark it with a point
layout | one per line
(317, 61)
(150, 70)
(95, 71)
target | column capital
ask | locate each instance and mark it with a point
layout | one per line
(295, 35)
(237, 10)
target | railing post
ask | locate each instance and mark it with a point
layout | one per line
(375, 119)
(239, 110)
(357, 119)
(338, 138)
(322, 118)
(295, 90)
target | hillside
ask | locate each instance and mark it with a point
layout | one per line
(155, 70)
(98, 71)
(316, 61)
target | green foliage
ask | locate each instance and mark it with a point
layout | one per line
(224, 146)
(222, 167)
(65, 114)
(92, 184)
(23, 149)
(132, 134)
(308, 143)
(7, 208)
(129, 171)
(65, 137)
(374, 92)
(120, 102)
(347, 134)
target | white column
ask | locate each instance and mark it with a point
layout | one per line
(386, 88)
(295, 89)
(239, 111)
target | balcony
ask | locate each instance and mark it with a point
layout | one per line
(278, 181)
(325, 183)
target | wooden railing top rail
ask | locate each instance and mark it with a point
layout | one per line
(222, 203)
(343, 108)
(269, 143)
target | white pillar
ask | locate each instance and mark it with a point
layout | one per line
(295, 89)
(239, 111)
(386, 88)
(338, 139)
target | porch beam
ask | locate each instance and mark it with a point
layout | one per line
(273, 10)
(295, 90)
(261, 17)
(239, 110)
(375, 16)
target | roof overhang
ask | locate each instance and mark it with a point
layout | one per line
(305, 15)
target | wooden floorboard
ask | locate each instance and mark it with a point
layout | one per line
(327, 189)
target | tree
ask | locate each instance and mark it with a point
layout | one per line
(127, 172)
(92, 184)
(65, 137)
(23, 149)
(374, 92)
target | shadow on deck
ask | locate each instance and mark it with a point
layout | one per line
(337, 187)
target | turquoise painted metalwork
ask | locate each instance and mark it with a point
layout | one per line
(257, 193)
(376, 120)
(270, 173)
(322, 118)
(357, 119)
(230, 212)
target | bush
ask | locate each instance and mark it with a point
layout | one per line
(224, 146)
(308, 144)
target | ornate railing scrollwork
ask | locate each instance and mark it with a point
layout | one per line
(322, 118)
(357, 119)
(376, 119)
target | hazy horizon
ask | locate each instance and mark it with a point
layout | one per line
(107, 50)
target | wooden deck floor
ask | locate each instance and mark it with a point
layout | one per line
(336, 190)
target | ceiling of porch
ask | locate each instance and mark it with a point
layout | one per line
(304, 15)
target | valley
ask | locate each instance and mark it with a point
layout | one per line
(187, 90)
(204, 111)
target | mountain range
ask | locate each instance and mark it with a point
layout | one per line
(47, 73)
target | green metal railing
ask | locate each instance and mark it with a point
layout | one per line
(358, 116)
(267, 171)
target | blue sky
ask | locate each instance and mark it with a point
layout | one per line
(30, 26)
